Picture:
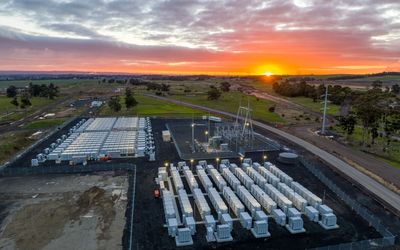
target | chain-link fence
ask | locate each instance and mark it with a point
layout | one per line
(63, 169)
(388, 238)
(35, 144)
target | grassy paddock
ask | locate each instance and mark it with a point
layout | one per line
(17, 113)
(230, 102)
(57, 82)
(43, 124)
(11, 143)
(315, 106)
(148, 106)
(392, 157)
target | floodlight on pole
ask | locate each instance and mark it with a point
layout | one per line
(265, 158)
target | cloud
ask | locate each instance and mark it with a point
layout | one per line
(335, 33)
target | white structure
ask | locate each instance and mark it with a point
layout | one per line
(279, 173)
(204, 179)
(166, 135)
(266, 202)
(110, 137)
(312, 199)
(230, 178)
(270, 177)
(244, 178)
(217, 202)
(201, 203)
(283, 202)
(217, 178)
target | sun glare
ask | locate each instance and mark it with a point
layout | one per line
(268, 74)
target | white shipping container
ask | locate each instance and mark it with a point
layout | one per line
(217, 202)
(311, 198)
(298, 201)
(230, 178)
(279, 217)
(257, 177)
(176, 178)
(205, 181)
(312, 213)
(190, 179)
(252, 204)
(217, 178)
(201, 203)
(283, 202)
(324, 209)
(233, 201)
(186, 207)
(266, 202)
(270, 177)
(256, 165)
(280, 174)
(244, 178)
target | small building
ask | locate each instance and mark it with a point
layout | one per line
(96, 104)
(166, 135)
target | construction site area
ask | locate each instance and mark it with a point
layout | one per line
(201, 183)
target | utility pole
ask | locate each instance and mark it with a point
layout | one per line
(325, 108)
(193, 150)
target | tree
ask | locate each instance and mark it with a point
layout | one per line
(165, 87)
(11, 91)
(347, 123)
(52, 91)
(377, 84)
(271, 109)
(114, 103)
(130, 101)
(34, 89)
(396, 89)
(15, 102)
(25, 102)
(213, 93)
(369, 109)
(225, 86)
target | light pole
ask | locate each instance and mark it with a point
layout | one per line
(265, 158)
(193, 138)
(191, 163)
(206, 135)
(217, 160)
(325, 108)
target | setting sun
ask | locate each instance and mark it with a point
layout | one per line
(268, 74)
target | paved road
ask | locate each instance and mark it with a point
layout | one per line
(367, 182)
(367, 161)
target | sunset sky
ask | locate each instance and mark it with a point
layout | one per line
(201, 36)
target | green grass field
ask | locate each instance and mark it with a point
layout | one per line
(315, 106)
(392, 157)
(148, 106)
(11, 143)
(57, 82)
(230, 102)
(9, 112)
(43, 124)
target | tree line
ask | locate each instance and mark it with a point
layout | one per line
(115, 102)
(376, 110)
(33, 90)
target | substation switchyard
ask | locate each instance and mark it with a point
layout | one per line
(102, 138)
(251, 195)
